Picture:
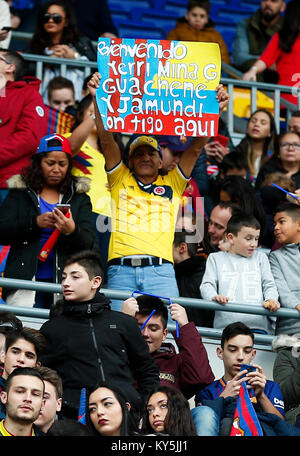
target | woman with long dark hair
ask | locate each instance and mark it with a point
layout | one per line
(56, 35)
(108, 412)
(29, 215)
(168, 412)
(282, 50)
(258, 144)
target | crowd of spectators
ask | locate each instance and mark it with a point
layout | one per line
(231, 237)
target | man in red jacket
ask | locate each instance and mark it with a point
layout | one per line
(22, 117)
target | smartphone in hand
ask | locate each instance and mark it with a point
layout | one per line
(223, 140)
(64, 208)
(247, 367)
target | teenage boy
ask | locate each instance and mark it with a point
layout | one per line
(188, 369)
(61, 93)
(241, 275)
(285, 264)
(89, 343)
(52, 399)
(23, 399)
(23, 348)
(237, 348)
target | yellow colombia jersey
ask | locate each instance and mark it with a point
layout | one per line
(143, 217)
(5, 433)
(89, 162)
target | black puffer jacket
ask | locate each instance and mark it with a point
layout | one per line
(18, 228)
(89, 343)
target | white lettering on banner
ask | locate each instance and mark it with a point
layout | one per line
(171, 80)
(143, 50)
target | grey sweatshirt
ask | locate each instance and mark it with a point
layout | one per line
(285, 267)
(244, 281)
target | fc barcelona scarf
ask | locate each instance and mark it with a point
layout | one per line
(245, 421)
(58, 121)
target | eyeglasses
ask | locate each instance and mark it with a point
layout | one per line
(57, 18)
(4, 60)
(288, 145)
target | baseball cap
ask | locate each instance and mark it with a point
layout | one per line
(144, 141)
(175, 143)
(64, 145)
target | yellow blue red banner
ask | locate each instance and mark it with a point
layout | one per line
(158, 86)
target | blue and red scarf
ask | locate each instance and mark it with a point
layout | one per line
(245, 421)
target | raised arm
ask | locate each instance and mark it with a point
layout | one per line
(80, 134)
(109, 147)
(191, 154)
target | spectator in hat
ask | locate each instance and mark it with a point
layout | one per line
(29, 216)
(145, 208)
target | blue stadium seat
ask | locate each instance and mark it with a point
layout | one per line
(155, 18)
(172, 6)
(128, 5)
(227, 36)
(137, 29)
(158, 4)
(158, 18)
(234, 14)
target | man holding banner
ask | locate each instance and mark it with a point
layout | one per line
(144, 202)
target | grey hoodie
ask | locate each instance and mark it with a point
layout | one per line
(285, 267)
(244, 281)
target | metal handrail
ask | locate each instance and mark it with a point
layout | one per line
(229, 69)
(273, 91)
(122, 295)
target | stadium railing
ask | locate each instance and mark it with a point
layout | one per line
(273, 91)
(122, 295)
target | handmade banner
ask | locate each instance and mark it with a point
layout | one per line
(157, 87)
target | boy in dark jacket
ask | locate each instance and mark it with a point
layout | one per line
(89, 343)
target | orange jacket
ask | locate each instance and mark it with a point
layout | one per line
(184, 32)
